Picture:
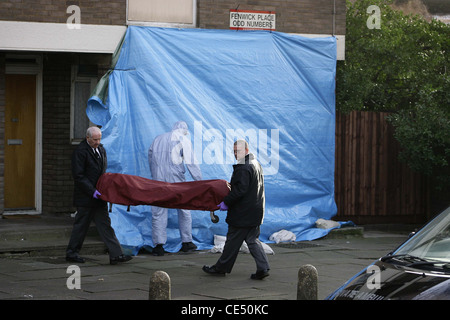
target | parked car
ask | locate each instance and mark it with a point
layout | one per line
(419, 269)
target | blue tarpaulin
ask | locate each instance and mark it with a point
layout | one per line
(275, 90)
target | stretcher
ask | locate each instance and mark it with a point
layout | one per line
(131, 190)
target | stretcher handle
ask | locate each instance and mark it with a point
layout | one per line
(214, 218)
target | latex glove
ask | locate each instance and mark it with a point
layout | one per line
(96, 194)
(222, 206)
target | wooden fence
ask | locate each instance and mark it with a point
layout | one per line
(371, 184)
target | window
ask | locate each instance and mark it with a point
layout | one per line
(163, 13)
(84, 79)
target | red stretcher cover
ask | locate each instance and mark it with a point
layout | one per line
(133, 190)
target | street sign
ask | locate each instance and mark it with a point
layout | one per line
(252, 20)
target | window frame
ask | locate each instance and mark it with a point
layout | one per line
(165, 24)
(75, 78)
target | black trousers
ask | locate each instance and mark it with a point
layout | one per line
(235, 237)
(102, 221)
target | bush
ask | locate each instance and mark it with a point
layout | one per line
(402, 68)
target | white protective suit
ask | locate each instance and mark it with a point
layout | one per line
(167, 157)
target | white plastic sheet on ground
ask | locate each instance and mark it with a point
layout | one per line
(274, 89)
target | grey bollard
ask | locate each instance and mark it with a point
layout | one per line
(307, 283)
(159, 286)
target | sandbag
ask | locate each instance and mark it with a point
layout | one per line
(282, 236)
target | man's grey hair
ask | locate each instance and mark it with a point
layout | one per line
(91, 130)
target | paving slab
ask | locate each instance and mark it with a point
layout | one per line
(45, 277)
(33, 266)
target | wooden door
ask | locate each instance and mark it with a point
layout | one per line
(20, 141)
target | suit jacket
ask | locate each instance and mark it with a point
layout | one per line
(246, 200)
(86, 170)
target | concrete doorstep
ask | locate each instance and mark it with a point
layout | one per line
(42, 236)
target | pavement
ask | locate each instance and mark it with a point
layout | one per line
(33, 266)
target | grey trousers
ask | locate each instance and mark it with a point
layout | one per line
(235, 238)
(159, 225)
(102, 221)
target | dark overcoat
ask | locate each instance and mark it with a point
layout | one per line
(86, 170)
(246, 200)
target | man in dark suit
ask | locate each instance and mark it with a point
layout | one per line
(245, 205)
(88, 164)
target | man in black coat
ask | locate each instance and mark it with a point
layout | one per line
(245, 204)
(89, 162)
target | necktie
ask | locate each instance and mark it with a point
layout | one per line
(97, 153)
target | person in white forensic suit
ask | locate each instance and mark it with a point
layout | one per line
(168, 156)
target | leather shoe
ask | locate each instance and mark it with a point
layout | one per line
(188, 247)
(121, 258)
(158, 250)
(213, 271)
(259, 275)
(77, 259)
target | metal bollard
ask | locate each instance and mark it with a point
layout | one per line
(159, 288)
(307, 283)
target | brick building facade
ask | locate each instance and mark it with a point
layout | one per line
(62, 61)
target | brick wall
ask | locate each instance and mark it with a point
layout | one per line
(110, 12)
(296, 16)
(57, 185)
(293, 16)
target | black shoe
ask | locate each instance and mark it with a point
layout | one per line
(259, 275)
(121, 258)
(158, 250)
(77, 259)
(188, 247)
(213, 271)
